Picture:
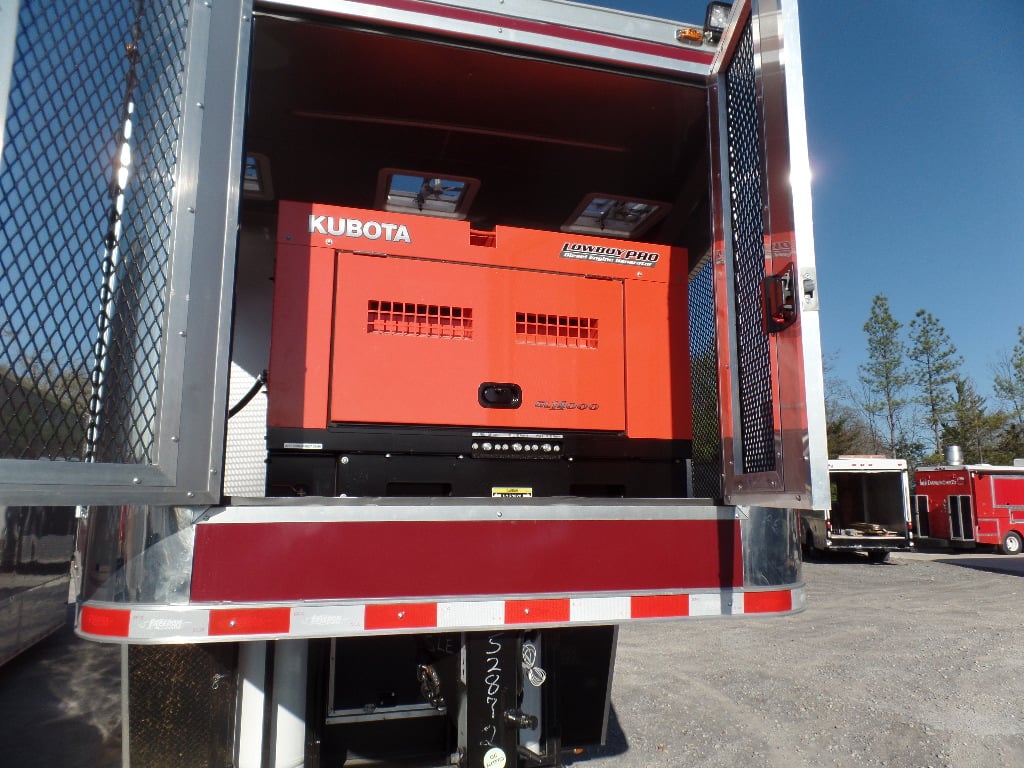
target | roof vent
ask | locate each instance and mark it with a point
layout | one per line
(612, 216)
(427, 193)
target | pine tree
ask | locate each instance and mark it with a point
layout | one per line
(1008, 384)
(885, 374)
(973, 427)
(934, 367)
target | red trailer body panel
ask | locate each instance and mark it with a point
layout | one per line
(1008, 492)
(979, 504)
(937, 485)
(344, 560)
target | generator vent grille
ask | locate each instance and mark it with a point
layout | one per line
(556, 330)
(405, 318)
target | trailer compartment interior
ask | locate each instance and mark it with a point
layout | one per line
(868, 503)
(335, 109)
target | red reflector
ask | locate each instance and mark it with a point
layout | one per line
(400, 616)
(109, 622)
(767, 602)
(534, 611)
(659, 606)
(250, 621)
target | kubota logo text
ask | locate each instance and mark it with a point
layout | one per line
(368, 230)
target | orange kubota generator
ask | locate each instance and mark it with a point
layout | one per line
(414, 356)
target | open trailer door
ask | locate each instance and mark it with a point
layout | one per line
(117, 237)
(771, 391)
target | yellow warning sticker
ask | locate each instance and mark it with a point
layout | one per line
(511, 493)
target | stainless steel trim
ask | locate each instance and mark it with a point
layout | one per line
(816, 448)
(771, 548)
(608, 687)
(444, 510)
(551, 13)
(8, 37)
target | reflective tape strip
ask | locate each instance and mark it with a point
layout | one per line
(158, 624)
(659, 606)
(607, 609)
(767, 602)
(105, 622)
(400, 616)
(537, 611)
(250, 621)
(196, 623)
(471, 613)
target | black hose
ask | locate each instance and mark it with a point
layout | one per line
(247, 398)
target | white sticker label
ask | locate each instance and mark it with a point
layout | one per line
(305, 446)
(494, 758)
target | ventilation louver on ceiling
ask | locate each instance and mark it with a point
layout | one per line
(424, 193)
(611, 216)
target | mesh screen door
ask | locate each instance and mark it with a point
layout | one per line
(113, 238)
(773, 433)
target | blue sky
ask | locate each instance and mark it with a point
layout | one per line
(915, 116)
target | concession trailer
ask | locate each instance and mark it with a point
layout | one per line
(964, 505)
(405, 349)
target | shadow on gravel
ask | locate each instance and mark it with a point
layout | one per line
(842, 558)
(1003, 564)
(616, 744)
(60, 704)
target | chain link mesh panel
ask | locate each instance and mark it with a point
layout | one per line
(707, 442)
(86, 180)
(757, 424)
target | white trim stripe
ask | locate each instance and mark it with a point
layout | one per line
(716, 604)
(481, 613)
(199, 623)
(606, 609)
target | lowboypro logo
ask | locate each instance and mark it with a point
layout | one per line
(609, 254)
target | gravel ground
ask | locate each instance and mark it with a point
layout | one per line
(914, 663)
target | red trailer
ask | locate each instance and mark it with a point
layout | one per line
(970, 504)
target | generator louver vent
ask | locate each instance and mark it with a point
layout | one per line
(556, 330)
(408, 319)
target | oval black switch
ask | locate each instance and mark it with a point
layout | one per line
(494, 394)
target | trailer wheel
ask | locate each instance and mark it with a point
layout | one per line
(1011, 544)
